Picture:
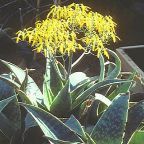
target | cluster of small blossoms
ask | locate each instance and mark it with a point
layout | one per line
(70, 28)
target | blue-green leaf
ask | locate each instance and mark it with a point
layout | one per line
(19, 73)
(47, 93)
(62, 70)
(135, 117)
(5, 102)
(51, 126)
(138, 138)
(56, 83)
(102, 68)
(81, 86)
(61, 141)
(29, 122)
(93, 88)
(33, 92)
(32, 89)
(75, 125)
(116, 71)
(110, 127)
(13, 113)
(102, 99)
(24, 98)
(9, 122)
(9, 81)
(5, 90)
(89, 139)
(76, 79)
(61, 105)
(125, 87)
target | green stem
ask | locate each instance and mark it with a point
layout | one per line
(69, 66)
(78, 60)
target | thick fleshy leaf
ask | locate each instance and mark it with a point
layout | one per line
(33, 92)
(80, 88)
(32, 89)
(61, 105)
(5, 102)
(89, 139)
(102, 68)
(77, 78)
(19, 73)
(125, 87)
(9, 122)
(5, 90)
(51, 126)
(24, 98)
(56, 82)
(25, 81)
(77, 91)
(29, 122)
(116, 71)
(102, 99)
(75, 125)
(9, 80)
(46, 86)
(47, 93)
(6, 126)
(110, 127)
(93, 88)
(104, 102)
(62, 70)
(61, 141)
(111, 66)
(13, 113)
(138, 138)
(135, 117)
(17, 138)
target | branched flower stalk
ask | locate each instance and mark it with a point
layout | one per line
(71, 28)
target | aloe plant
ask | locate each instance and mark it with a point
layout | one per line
(63, 90)
(69, 96)
(111, 128)
(62, 96)
(116, 117)
(94, 108)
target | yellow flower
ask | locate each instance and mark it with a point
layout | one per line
(70, 28)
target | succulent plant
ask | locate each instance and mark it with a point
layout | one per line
(96, 101)
(73, 108)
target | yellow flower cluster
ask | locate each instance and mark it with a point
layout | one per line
(70, 28)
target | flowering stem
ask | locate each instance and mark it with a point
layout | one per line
(47, 71)
(69, 65)
(78, 60)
